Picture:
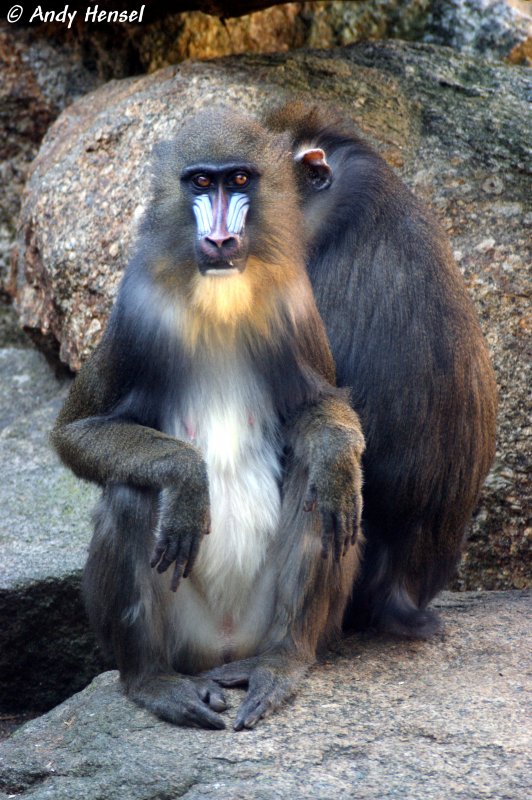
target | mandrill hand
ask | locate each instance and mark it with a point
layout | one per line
(183, 520)
(335, 479)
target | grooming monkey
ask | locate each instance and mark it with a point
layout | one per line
(209, 407)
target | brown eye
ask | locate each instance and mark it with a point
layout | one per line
(240, 179)
(201, 181)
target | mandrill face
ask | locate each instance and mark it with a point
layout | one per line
(227, 226)
(220, 196)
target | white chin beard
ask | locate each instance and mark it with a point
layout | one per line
(221, 272)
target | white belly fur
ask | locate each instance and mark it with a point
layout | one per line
(222, 608)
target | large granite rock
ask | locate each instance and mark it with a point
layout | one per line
(39, 76)
(456, 130)
(46, 649)
(380, 719)
(496, 29)
(45, 66)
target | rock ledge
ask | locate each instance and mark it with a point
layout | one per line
(378, 719)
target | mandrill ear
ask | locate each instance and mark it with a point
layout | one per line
(313, 168)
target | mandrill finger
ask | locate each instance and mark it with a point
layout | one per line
(166, 561)
(347, 532)
(327, 532)
(310, 502)
(355, 525)
(249, 713)
(337, 537)
(168, 548)
(158, 552)
(202, 716)
(178, 574)
(236, 673)
(213, 696)
(192, 555)
(216, 701)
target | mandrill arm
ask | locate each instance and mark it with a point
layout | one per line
(328, 439)
(97, 440)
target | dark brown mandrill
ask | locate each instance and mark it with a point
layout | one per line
(405, 339)
(209, 407)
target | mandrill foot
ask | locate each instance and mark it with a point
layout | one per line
(271, 680)
(412, 623)
(192, 702)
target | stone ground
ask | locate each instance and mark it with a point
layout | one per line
(46, 649)
(380, 718)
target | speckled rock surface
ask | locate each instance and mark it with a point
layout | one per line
(27, 382)
(380, 719)
(457, 131)
(38, 78)
(44, 526)
(491, 28)
(43, 68)
(11, 335)
(46, 649)
(285, 27)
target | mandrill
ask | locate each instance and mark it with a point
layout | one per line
(210, 407)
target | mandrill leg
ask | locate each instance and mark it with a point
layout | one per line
(314, 558)
(128, 605)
